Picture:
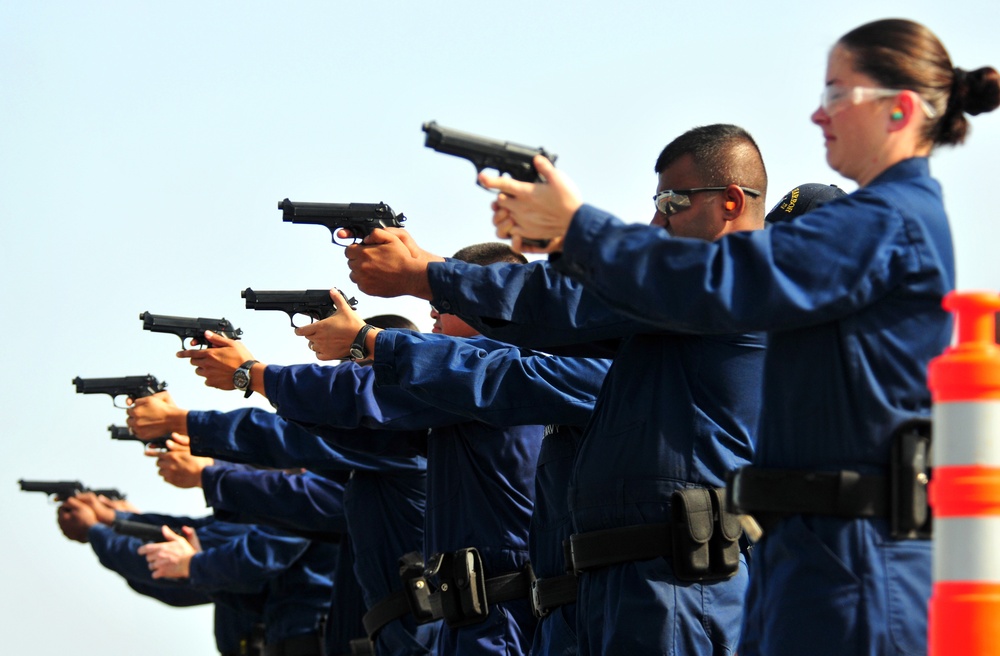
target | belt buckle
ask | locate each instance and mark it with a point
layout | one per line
(537, 609)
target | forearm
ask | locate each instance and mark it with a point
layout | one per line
(490, 381)
(288, 501)
(344, 397)
(529, 305)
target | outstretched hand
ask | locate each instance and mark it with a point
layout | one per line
(172, 559)
(156, 415)
(389, 263)
(217, 364)
(75, 517)
(177, 465)
(526, 210)
(331, 338)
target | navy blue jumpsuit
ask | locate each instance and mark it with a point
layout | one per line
(850, 295)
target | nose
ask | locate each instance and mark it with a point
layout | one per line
(434, 313)
(820, 117)
(659, 219)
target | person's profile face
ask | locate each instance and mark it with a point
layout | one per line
(702, 219)
(852, 131)
(449, 324)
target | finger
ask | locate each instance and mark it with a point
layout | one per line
(555, 245)
(505, 185)
(170, 535)
(306, 330)
(515, 243)
(181, 438)
(504, 228)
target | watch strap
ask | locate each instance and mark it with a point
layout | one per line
(358, 350)
(245, 368)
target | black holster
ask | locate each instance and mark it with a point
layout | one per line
(909, 474)
(416, 586)
(461, 586)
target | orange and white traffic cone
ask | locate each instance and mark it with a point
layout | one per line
(964, 493)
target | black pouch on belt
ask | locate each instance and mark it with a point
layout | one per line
(724, 546)
(693, 524)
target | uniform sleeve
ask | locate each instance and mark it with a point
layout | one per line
(253, 435)
(246, 563)
(529, 305)
(178, 596)
(820, 267)
(344, 396)
(490, 381)
(295, 502)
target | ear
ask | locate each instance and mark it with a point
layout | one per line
(902, 111)
(733, 203)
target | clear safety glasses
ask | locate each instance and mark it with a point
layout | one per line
(836, 98)
(671, 201)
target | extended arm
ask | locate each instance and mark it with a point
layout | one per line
(490, 381)
(294, 502)
(757, 280)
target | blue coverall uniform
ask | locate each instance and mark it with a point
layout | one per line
(677, 410)
(851, 296)
(479, 481)
(294, 572)
(306, 505)
(482, 378)
(383, 503)
(236, 614)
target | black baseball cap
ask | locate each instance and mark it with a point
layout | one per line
(802, 199)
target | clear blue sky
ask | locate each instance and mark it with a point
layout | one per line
(144, 147)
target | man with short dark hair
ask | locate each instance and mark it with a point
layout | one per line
(676, 414)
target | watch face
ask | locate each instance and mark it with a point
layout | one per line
(241, 379)
(357, 354)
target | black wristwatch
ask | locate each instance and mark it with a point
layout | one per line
(358, 350)
(241, 378)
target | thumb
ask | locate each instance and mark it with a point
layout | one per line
(170, 535)
(546, 169)
(339, 301)
(217, 340)
(192, 538)
(380, 236)
(407, 240)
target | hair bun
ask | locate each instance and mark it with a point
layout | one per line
(977, 91)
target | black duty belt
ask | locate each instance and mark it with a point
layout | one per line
(458, 599)
(386, 610)
(499, 589)
(303, 645)
(618, 545)
(551, 593)
(781, 492)
(701, 540)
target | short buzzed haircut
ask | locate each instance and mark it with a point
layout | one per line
(489, 253)
(723, 154)
(389, 321)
